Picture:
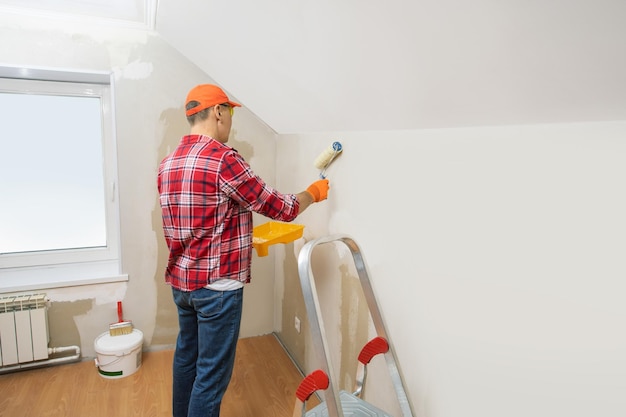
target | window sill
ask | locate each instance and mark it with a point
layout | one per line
(36, 286)
(32, 279)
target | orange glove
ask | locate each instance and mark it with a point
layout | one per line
(319, 190)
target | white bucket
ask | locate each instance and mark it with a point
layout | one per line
(118, 356)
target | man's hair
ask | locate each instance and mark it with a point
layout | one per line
(198, 117)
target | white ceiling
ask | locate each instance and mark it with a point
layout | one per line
(362, 65)
(341, 65)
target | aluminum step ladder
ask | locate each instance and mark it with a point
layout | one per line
(339, 403)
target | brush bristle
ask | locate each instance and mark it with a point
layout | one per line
(121, 328)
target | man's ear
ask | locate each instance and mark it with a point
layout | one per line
(217, 111)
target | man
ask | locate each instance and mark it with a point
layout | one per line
(207, 193)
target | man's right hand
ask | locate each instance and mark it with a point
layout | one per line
(319, 190)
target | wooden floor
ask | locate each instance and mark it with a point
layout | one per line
(263, 385)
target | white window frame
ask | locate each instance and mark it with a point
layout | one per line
(62, 268)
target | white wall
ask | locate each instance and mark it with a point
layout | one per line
(497, 257)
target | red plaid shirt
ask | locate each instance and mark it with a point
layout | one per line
(207, 193)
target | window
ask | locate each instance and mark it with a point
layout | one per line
(59, 222)
(134, 13)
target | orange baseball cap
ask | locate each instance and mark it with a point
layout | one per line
(207, 95)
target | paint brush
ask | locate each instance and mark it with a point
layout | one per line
(122, 326)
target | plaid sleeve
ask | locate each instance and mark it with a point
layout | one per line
(241, 184)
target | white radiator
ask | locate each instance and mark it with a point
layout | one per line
(24, 333)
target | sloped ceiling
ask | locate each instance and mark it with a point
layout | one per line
(354, 65)
(363, 65)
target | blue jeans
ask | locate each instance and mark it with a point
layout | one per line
(205, 349)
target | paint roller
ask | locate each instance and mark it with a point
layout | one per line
(326, 157)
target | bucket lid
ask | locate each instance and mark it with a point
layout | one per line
(105, 343)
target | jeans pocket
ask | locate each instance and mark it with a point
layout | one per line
(208, 303)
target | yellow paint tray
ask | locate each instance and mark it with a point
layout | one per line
(271, 233)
